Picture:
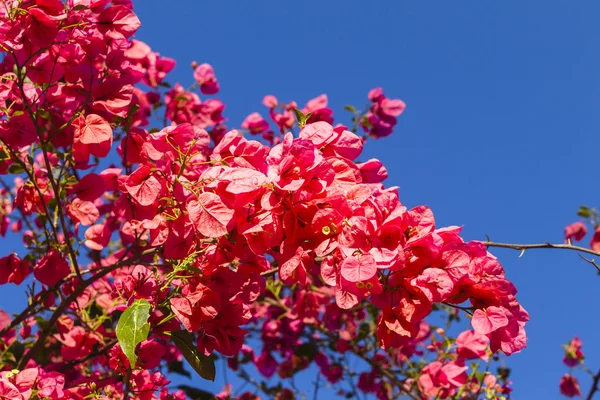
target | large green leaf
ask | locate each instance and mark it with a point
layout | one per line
(202, 364)
(133, 328)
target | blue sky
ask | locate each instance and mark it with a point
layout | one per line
(499, 134)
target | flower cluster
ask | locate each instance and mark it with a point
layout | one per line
(149, 246)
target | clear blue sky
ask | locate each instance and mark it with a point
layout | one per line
(499, 134)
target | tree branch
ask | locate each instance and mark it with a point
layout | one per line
(70, 299)
(524, 247)
(594, 387)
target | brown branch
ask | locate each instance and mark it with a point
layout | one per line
(61, 212)
(593, 262)
(62, 307)
(465, 309)
(269, 272)
(94, 354)
(594, 387)
(524, 247)
(30, 310)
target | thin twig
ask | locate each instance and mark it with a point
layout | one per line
(70, 299)
(523, 247)
(465, 309)
(94, 354)
(594, 387)
(592, 261)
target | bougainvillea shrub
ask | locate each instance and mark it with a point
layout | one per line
(157, 239)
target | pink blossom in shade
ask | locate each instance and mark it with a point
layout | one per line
(573, 354)
(595, 242)
(270, 101)
(77, 343)
(471, 345)
(150, 354)
(198, 303)
(487, 320)
(13, 269)
(89, 187)
(51, 268)
(255, 123)
(575, 231)
(266, 364)
(205, 77)
(569, 386)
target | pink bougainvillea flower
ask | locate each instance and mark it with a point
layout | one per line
(51, 268)
(361, 268)
(150, 354)
(97, 236)
(83, 212)
(270, 101)
(93, 136)
(575, 231)
(205, 77)
(488, 320)
(595, 242)
(5, 319)
(199, 303)
(472, 345)
(209, 214)
(13, 269)
(573, 353)
(51, 385)
(255, 123)
(9, 391)
(142, 185)
(89, 187)
(569, 386)
(118, 22)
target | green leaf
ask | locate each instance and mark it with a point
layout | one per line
(177, 368)
(364, 330)
(133, 328)
(301, 118)
(202, 364)
(274, 286)
(350, 108)
(308, 350)
(584, 212)
(365, 122)
(195, 393)
(16, 169)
